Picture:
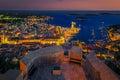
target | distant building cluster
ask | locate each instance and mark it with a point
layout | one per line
(114, 32)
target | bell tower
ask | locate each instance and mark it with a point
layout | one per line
(73, 24)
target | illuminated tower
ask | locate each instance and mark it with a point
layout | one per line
(3, 39)
(35, 32)
(73, 25)
(59, 29)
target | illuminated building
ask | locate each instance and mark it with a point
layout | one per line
(3, 39)
(63, 36)
(73, 25)
(59, 41)
(114, 36)
(32, 19)
(70, 32)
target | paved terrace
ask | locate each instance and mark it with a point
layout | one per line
(70, 71)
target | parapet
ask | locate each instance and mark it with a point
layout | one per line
(98, 70)
(28, 61)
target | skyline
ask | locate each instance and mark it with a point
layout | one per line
(59, 5)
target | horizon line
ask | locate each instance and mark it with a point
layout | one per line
(54, 10)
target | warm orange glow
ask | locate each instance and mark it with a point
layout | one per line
(98, 54)
(23, 67)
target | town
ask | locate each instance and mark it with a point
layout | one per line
(28, 41)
